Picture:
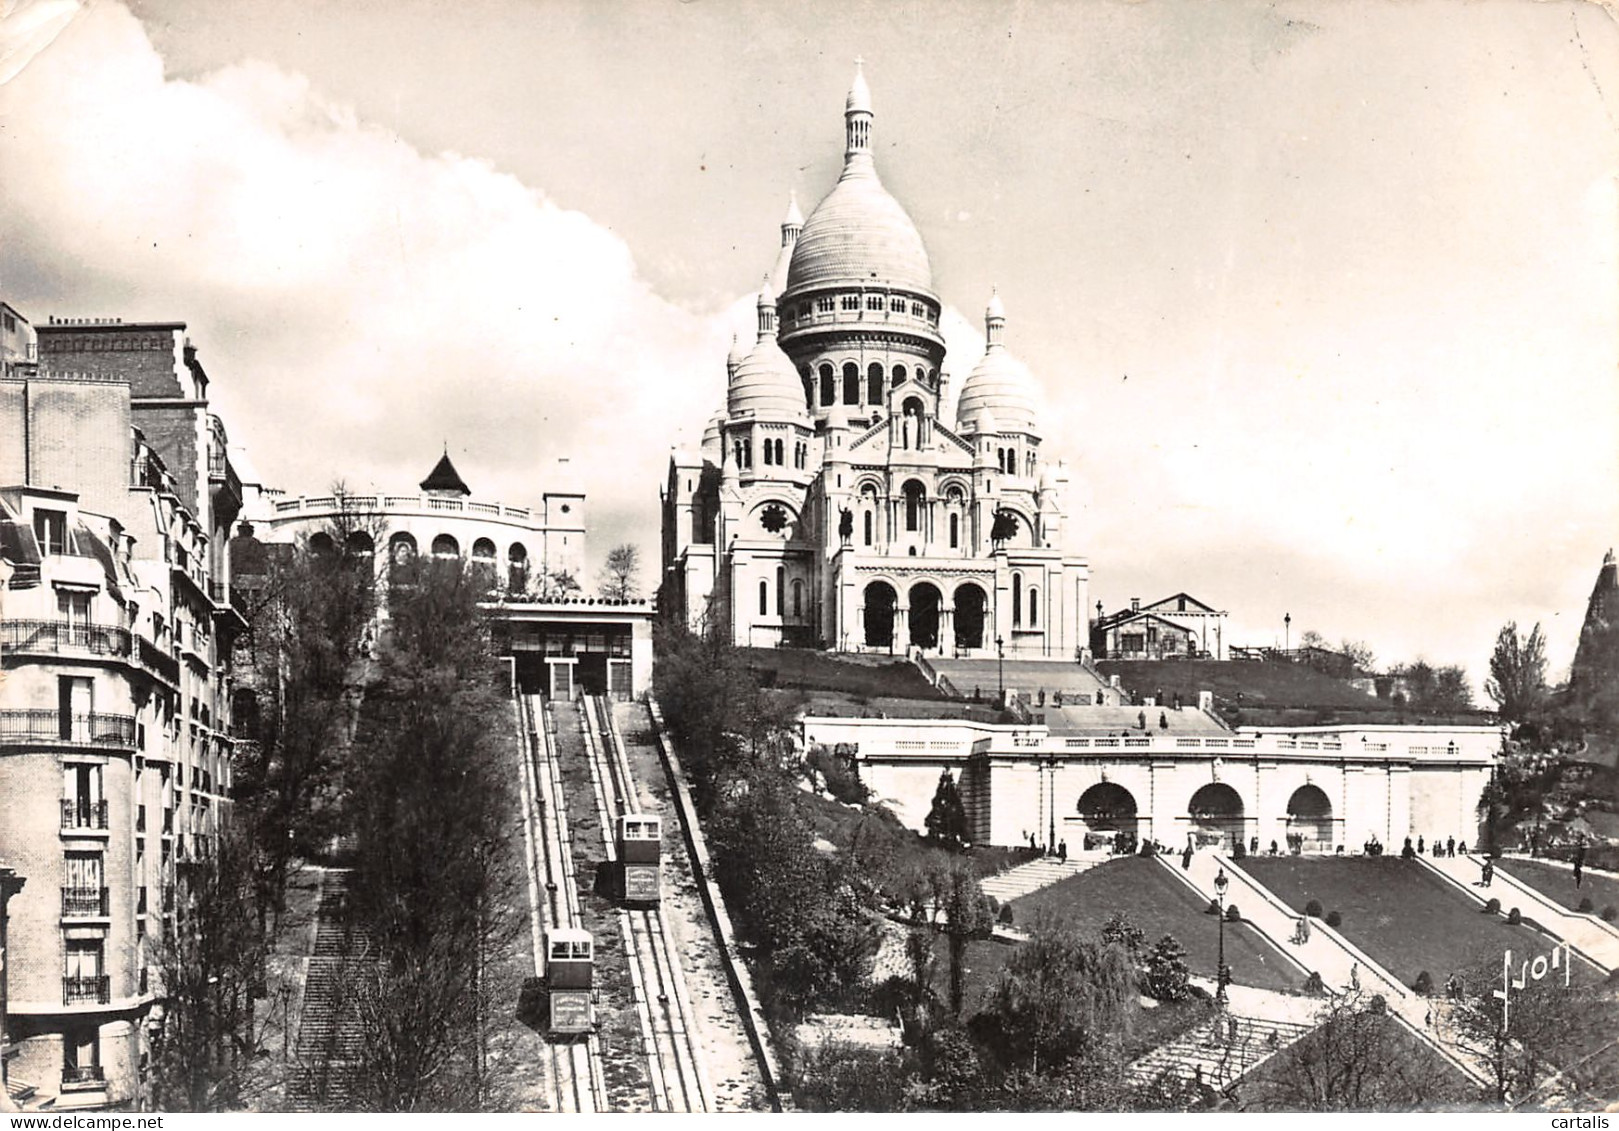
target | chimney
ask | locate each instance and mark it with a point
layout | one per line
(1135, 604)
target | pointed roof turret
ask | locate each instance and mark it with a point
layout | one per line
(859, 100)
(444, 479)
(734, 358)
(791, 225)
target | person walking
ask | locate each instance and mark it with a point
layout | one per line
(1579, 868)
(1450, 846)
(1489, 872)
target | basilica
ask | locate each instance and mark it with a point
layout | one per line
(836, 499)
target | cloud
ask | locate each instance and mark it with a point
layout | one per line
(358, 302)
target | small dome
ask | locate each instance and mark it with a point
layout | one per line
(999, 382)
(734, 358)
(712, 441)
(983, 423)
(765, 384)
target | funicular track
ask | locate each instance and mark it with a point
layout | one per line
(675, 1056)
(578, 1084)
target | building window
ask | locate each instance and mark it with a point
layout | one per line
(955, 531)
(851, 302)
(913, 505)
(1017, 600)
(824, 305)
(81, 1058)
(781, 446)
(874, 302)
(829, 390)
(764, 596)
(874, 384)
(897, 305)
(798, 599)
(899, 376)
(851, 383)
(868, 528)
(50, 529)
(1034, 607)
(781, 590)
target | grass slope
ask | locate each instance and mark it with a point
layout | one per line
(1161, 905)
(1557, 883)
(1399, 913)
(802, 669)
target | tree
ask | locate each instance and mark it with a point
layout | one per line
(1517, 680)
(967, 915)
(1120, 930)
(1550, 1027)
(1059, 996)
(1357, 1059)
(946, 821)
(1428, 688)
(1168, 976)
(1360, 654)
(619, 581)
(1310, 638)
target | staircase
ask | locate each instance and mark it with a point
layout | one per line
(1589, 937)
(1036, 874)
(330, 1037)
(1213, 1054)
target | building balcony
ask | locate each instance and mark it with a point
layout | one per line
(95, 989)
(60, 637)
(84, 903)
(158, 662)
(86, 1076)
(27, 727)
(84, 814)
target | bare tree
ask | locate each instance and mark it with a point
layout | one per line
(619, 581)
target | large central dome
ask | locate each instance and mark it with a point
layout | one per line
(859, 234)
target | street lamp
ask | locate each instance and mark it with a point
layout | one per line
(1287, 632)
(1220, 885)
(1000, 667)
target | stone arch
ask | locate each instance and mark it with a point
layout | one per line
(445, 546)
(1309, 816)
(880, 603)
(971, 605)
(321, 544)
(1216, 814)
(359, 543)
(483, 550)
(402, 548)
(923, 618)
(899, 376)
(517, 567)
(1108, 807)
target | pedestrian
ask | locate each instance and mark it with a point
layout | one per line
(1450, 846)
(1428, 1020)
(1489, 872)
(1422, 848)
(1062, 851)
(1579, 866)
(1253, 846)
(1186, 859)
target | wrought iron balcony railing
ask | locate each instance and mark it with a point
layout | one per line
(88, 729)
(95, 989)
(84, 903)
(81, 813)
(83, 1075)
(59, 636)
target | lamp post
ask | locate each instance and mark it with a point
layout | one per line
(1000, 667)
(1220, 885)
(1287, 632)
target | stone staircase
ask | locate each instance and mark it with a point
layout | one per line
(1589, 937)
(1036, 874)
(330, 1037)
(1215, 1054)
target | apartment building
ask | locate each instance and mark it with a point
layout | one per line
(115, 743)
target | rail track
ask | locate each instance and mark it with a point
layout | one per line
(675, 1055)
(577, 1081)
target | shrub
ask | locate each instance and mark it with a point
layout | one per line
(1005, 915)
(1334, 919)
(1586, 906)
(1314, 985)
(1424, 984)
(1514, 916)
(1239, 851)
(1232, 915)
(1213, 908)
(1313, 909)
(1378, 1006)
(1610, 913)
(994, 904)
(1493, 907)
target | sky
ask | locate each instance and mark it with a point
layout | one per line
(1323, 297)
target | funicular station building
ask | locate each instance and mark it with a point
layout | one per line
(561, 643)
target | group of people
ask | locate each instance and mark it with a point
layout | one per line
(1448, 848)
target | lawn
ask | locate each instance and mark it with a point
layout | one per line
(803, 669)
(1161, 905)
(1402, 915)
(1557, 883)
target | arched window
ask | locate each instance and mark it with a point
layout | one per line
(913, 505)
(851, 383)
(955, 531)
(780, 447)
(1034, 607)
(899, 376)
(868, 528)
(798, 598)
(1017, 600)
(781, 590)
(1000, 459)
(483, 549)
(829, 389)
(445, 546)
(764, 596)
(359, 543)
(321, 545)
(874, 384)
